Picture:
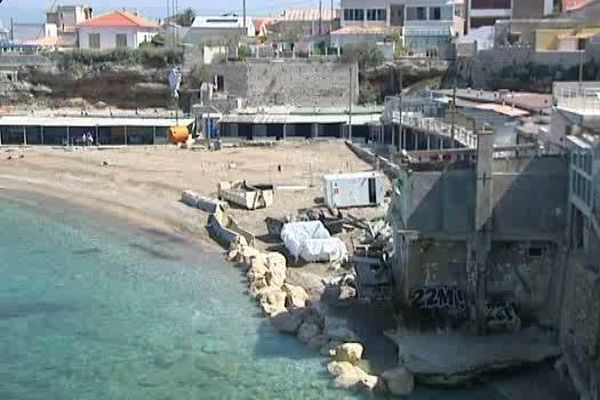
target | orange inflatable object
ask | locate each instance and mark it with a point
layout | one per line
(178, 134)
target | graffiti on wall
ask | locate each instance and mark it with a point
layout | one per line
(439, 297)
(502, 316)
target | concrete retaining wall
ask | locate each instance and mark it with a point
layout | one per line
(300, 83)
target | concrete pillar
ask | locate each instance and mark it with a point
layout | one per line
(284, 131)
(428, 142)
(481, 243)
(125, 134)
(24, 135)
(154, 135)
(68, 136)
(403, 133)
(42, 140)
(97, 141)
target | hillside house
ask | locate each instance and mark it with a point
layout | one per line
(117, 29)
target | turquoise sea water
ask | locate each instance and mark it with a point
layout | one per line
(99, 311)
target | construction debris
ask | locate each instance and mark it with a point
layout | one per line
(358, 189)
(204, 203)
(312, 242)
(250, 197)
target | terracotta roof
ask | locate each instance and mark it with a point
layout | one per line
(48, 41)
(572, 5)
(261, 26)
(306, 15)
(121, 19)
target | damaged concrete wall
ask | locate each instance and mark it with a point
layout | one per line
(530, 198)
(580, 324)
(441, 203)
(522, 272)
(528, 230)
(290, 83)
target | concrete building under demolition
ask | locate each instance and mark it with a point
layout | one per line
(278, 99)
(504, 238)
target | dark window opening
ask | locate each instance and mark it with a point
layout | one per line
(372, 191)
(535, 252)
(219, 83)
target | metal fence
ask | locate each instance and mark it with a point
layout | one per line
(434, 126)
(584, 97)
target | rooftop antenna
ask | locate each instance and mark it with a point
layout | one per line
(168, 21)
(332, 18)
(244, 18)
(320, 17)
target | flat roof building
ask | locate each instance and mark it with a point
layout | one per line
(57, 131)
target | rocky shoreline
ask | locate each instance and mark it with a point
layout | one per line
(291, 312)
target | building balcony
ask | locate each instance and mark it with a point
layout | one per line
(582, 99)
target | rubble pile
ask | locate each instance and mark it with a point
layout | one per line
(291, 312)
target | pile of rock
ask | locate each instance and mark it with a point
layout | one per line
(266, 273)
(290, 311)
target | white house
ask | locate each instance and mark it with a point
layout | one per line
(117, 29)
(422, 24)
(221, 28)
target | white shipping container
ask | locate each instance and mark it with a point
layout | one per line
(358, 189)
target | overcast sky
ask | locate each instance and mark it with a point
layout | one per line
(33, 10)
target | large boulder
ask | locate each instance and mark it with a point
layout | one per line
(337, 329)
(256, 286)
(233, 254)
(317, 342)
(258, 269)
(368, 382)
(312, 282)
(349, 352)
(307, 331)
(348, 376)
(276, 260)
(287, 322)
(312, 315)
(276, 265)
(296, 296)
(247, 253)
(272, 300)
(399, 381)
(346, 293)
(328, 349)
(337, 368)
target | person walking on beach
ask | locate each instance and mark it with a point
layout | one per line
(90, 139)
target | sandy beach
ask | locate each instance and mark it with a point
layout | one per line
(144, 184)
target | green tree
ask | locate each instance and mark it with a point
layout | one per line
(186, 18)
(365, 55)
(244, 52)
(368, 93)
(294, 33)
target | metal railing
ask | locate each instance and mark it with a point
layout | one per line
(585, 97)
(436, 126)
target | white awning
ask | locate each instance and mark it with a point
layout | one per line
(25, 120)
(259, 119)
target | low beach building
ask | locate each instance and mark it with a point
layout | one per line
(58, 131)
(277, 123)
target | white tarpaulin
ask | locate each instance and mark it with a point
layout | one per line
(312, 242)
